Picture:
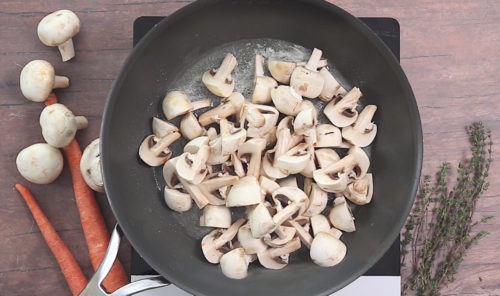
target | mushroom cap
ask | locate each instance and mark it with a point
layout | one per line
(295, 160)
(362, 161)
(360, 191)
(327, 135)
(306, 83)
(176, 103)
(231, 143)
(267, 185)
(262, 89)
(268, 169)
(318, 198)
(40, 163)
(161, 128)
(286, 100)
(340, 215)
(331, 86)
(305, 121)
(192, 167)
(59, 125)
(363, 131)
(325, 157)
(190, 127)
(194, 145)
(244, 193)
(90, 166)
(234, 264)
(248, 242)
(209, 249)
(330, 182)
(152, 158)
(216, 216)
(58, 27)
(319, 223)
(37, 80)
(326, 250)
(280, 70)
(176, 200)
(260, 221)
(169, 174)
(343, 112)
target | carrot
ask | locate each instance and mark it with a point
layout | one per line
(69, 267)
(93, 225)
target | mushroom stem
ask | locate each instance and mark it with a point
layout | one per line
(81, 122)
(365, 118)
(61, 81)
(283, 137)
(67, 50)
(195, 192)
(313, 62)
(290, 247)
(164, 142)
(304, 236)
(200, 104)
(226, 67)
(286, 213)
(259, 65)
(229, 234)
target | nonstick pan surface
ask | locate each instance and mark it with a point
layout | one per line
(198, 34)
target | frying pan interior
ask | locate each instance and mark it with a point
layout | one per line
(198, 35)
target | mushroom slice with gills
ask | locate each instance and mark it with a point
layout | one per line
(281, 70)
(327, 135)
(215, 216)
(268, 168)
(360, 191)
(325, 157)
(176, 103)
(176, 200)
(214, 244)
(319, 223)
(358, 168)
(216, 157)
(286, 100)
(90, 166)
(280, 236)
(326, 250)
(40, 163)
(219, 82)
(232, 138)
(234, 166)
(335, 232)
(59, 125)
(234, 264)
(244, 193)
(277, 258)
(260, 221)
(331, 88)
(58, 29)
(250, 152)
(154, 151)
(303, 234)
(334, 177)
(342, 112)
(294, 160)
(306, 81)
(262, 85)
(161, 128)
(37, 80)
(270, 137)
(269, 162)
(364, 130)
(169, 174)
(210, 188)
(305, 123)
(293, 139)
(193, 167)
(285, 197)
(340, 215)
(199, 198)
(318, 199)
(248, 242)
(267, 187)
(229, 106)
(190, 127)
(268, 113)
(310, 167)
(290, 181)
(194, 145)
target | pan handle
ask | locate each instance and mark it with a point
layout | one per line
(94, 287)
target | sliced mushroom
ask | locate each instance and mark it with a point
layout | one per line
(176, 103)
(260, 221)
(219, 82)
(190, 127)
(286, 100)
(364, 130)
(40, 163)
(210, 188)
(335, 232)
(319, 223)
(269, 115)
(306, 81)
(161, 127)
(234, 264)
(269, 163)
(340, 215)
(305, 123)
(294, 160)
(193, 167)
(290, 181)
(286, 196)
(154, 151)
(232, 138)
(334, 177)
(229, 106)
(326, 250)
(360, 191)
(215, 216)
(262, 85)
(37, 80)
(58, 29)
(244, 193)
(233, 166)
(307, 186)
(343, 112)
(59, 125)
(331, 88)
(214, 244)
(318, 199)
(216, 156)
(327, 135)
(325, 157)
(310, 167)
(268, 186)
(272, 258)
(302, 233)
(293, 139)
(90, 166)
(199, 198)
(360, 164)
(177, 200)
(169, 174)
(280, 236)
(250, 153)
(280, 70)
(248, 242)
(194, 145)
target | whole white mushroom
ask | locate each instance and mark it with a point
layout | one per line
(59, 125)
(40, 163)
(37, 80)
(57, 29)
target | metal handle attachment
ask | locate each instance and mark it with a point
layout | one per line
(94, 287)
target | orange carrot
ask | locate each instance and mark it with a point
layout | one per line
(93, 225)
(69, 267)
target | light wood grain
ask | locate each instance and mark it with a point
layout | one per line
(449, 51)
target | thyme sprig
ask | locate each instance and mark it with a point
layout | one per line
(440, 228)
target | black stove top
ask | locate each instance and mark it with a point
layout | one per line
(386, 29)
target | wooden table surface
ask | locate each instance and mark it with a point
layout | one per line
(450, 51)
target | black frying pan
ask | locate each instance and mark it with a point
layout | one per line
(170, 242)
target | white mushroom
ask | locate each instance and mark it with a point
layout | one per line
(192, 167)
(90, 166)
(59, 125)
(270, 159)
(154, 151)
(169, 174)
(229, 106)
(285, 197)
(176, 103)
(302, 233)
(40, 163)
(272, 258)
(58, 29)
(177, 200)
(37, 80)
(234, 264)
(211, 186)
(161, 127)
(244, 193)
(334, 177)
(326, 250)
(250, 153)
(260, 221)
(233, 166)
(219, 82)
(248, 242)
(360, 191)
(286, 100)
(331, 88)
(340, 215)
(262, 85)
(364, 130)
(343, 112)
(280, 236)
(305, 123)
(325, 157)
(194, 145)
(215, 216)
(319, 223)
(293, 138)
(318, 199)
(335, 232)
(280, 70)
(268, 186)
(294, 160)
(216, 156)
(306, 81)
(327, 135)
(213, 244)
(269, 115)
(231, 138)
(190, 127)
(290, 181)
(358, 168)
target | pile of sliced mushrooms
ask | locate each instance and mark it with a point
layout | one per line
(250, 154)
